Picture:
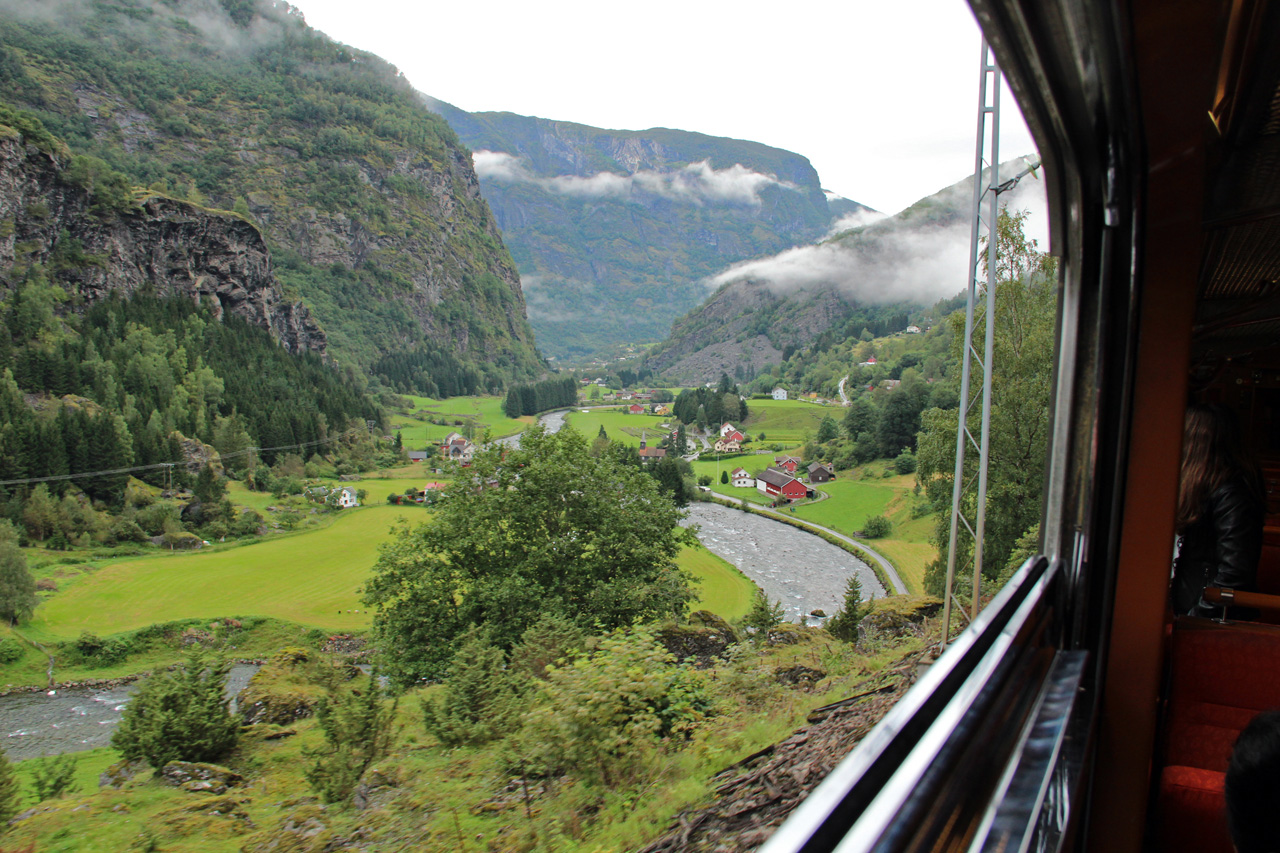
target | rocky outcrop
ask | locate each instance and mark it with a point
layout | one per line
(160, 243)
(196, 777)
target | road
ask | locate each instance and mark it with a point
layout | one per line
(844, 398)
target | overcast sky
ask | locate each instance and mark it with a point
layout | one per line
(881, 96)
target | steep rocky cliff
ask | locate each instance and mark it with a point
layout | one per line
(614, 231)
(368, 202)
(172, 247)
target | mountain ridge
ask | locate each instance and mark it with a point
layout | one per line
(614, 231)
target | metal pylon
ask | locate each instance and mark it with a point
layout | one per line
(986, 179)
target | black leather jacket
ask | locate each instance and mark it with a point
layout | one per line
(1221, 549)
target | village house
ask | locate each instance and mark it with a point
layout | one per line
(913, 330)
(870, 362)
(728, 445)
(343, 498)
(652, 453)
(457, 448)
(635, 409)
(661, 409)
(787, 463)
(731, 433)
(419, 455)
(779, 393)
(741, 479)
(821, 472)
(316, 493)
(890, 384)
(777, 483)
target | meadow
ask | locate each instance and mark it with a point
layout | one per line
(787, 422)
(482, 413)
(311, 578)
(621, 427)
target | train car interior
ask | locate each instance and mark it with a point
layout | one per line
(1077, 712)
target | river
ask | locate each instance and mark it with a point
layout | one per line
(801, 570)
(35, 724)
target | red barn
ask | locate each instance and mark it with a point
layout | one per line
(771, 481)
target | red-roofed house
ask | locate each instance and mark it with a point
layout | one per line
(635, 409)
(741, 479)
(787, 463)
(777, 483)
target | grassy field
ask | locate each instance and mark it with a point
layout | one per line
(850, 504)
(484, 412)
(787, 421)
(310, 578)
(623, 428)
(722, 589)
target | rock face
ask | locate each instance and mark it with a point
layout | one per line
(170, 246)
(366, 199)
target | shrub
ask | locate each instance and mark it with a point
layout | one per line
(10, 792)
(11, 651)
(844, 623)
(53, 777)
(905, 463)
(92, 650)
(477, 695)
(877, 527)
(180, 715)
(597, 715)
(358, 731)
(762, 616)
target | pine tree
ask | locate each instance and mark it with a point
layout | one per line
(10, 792)
(844, 623)
(179, 715)
(358, 730)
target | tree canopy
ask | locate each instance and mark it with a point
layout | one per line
(1022, 366)
(545, 528)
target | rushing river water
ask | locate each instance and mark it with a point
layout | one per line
(802, 571)
(35, 724)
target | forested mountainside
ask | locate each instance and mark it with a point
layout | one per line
(367, 201)
(614, 231)
(878, 277)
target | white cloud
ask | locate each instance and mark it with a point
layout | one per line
(696, 183)
(903, 264)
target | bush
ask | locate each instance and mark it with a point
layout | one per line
(11, 651)
(477, 697)
(53, 777)
(905, 463)
(92, 650)
(10, 792)
(762, 616)
(877, 527)
(180, 715)
(357, 731)
(843, 624)
(597, 716)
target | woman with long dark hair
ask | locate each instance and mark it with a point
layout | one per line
(1220, 511)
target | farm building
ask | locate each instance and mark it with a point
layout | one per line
(820, 472)
(777, 483)
(790, 464)
(457, 448)
(635, 409)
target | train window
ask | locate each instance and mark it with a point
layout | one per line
(1076, 712)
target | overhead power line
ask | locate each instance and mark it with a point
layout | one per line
(156, 465)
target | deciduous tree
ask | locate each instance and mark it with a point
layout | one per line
(541, 529)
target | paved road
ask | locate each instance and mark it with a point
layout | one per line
(844, 398)
(797, 568)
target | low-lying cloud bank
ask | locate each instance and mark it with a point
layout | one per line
(696, 183)
(890, 261)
